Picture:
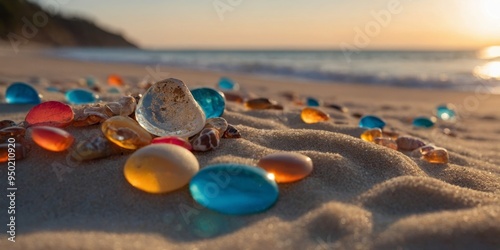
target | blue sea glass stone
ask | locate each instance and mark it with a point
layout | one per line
(312, 102)
(226, 83)
(446, 112)
(22, 93)
(90, 82)
(210, 100)
(371, 121)
(423, 122)
(80, 96)
(234, 189)
(113, 90)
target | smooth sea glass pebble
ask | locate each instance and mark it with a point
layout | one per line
(51, 138)
(370, 134)
(174, 140)
(94, 148)
(437, 155)
(231, 132)
(312, 102)
(226, 83)
(80, 96)
(286, 166)
(386, 142)
(446, 112)
(22, 93)
(52, 89)
(18, 151)
(234, 189)
(409, 143)
(423, 122)
(371, 121)
(51, 113)
(233, 97)
(313, 115)
(115, 80)
(125, 132)
(160, 168)
(168, 108)
(206, 140)
(210, 100)
(262, 103)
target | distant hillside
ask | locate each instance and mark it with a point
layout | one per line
(24, 21)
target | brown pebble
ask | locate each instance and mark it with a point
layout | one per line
(15, 132)
(262, 103)
(206, 140)
(6, 124)
(386, 142)
(218, 123)
(409, 143)
(231, 132)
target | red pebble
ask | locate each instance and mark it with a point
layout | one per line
(50, 138)
(173, 140)
(51, 113)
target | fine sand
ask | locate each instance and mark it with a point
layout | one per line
(359, 195)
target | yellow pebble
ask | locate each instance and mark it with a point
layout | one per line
(370, 134)
(438, 155)
(312, 115)
(125, 132)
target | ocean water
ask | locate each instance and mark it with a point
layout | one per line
(456, 70)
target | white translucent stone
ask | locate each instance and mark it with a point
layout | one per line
(168, 109)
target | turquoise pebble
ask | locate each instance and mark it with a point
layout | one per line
(113, 90)
(22, 93)
(371, 121)
(234, 189)
(446, 112)
(80, 96)
(423, 122)
(210, 100)
(312, 102)
(90, 82)
(226, 83)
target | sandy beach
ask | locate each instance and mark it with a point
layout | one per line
(359, 196)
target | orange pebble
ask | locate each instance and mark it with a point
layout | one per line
(438, 155)
(51, 138)
(115, 80)
(312, 115)
(370, 134)
(386, 142)
(287, 166)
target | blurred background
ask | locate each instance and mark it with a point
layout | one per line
(445, 44)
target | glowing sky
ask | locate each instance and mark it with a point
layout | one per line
(420, 24)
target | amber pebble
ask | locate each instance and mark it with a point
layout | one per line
(219, 123)
(115, 80)
(313, 115)
(286, 166)
(370, 134)
(206, 140)
(160, 168)
(18, 151)
(438, 155)
(94, 148)
(231, 132)
(51, 138)
(125, 132)
(409, 143)
(51, 113)
(12, 132)
(262, 103)
(6, 124)
(386, 142)
(233, 97)
(357, 115)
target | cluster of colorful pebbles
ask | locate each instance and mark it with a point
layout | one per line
(163, 128)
